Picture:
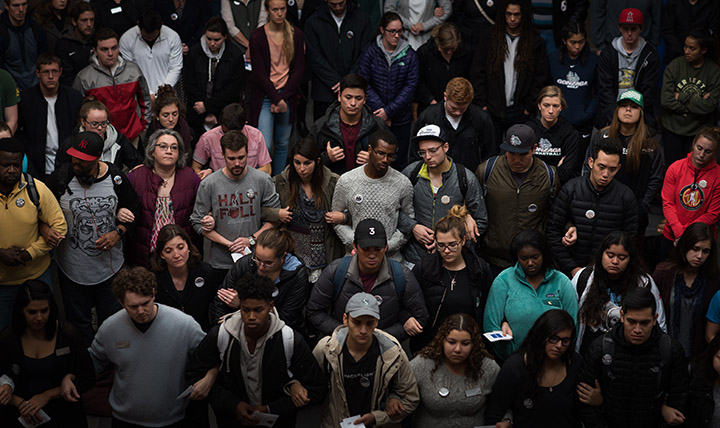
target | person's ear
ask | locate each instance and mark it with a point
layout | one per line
(345, 319)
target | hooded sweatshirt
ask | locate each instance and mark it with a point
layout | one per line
(251, 362)
(390, 56)
(627, 64)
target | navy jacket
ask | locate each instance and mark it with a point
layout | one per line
(577, 79)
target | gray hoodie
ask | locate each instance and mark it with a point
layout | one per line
(628, 64)
(390, 56)
(251, 362)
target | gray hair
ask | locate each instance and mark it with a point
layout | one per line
(152, 142)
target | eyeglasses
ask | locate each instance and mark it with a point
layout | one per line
(165, 147)
(431, 152)
(382, 154)
(553, 339)
(97, 125)
(395, 32)
(452, 246)
(262, 262)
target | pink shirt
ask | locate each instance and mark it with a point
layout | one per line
(208, 147)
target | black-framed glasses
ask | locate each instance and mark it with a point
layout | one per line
(263, 262)
(554, 339)
(452, 246)
(395, 32)
(382, 154)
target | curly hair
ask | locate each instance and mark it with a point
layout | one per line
(134, 279)
(533, 347)
(591, 312)
(498, 51)
(461, 322)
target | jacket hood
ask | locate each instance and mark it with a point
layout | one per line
(624, 57)
(206, 49)
(96, 64)
(711, 165)
(72, 35)
(110, 146)
(399, 52)
(233, 324)
(25, 25)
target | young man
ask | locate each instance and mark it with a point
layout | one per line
(642, 371)
(629, 63)
(49, 114)
(335, 36)
(118, 83)
(91, 193)
(148, 346)
(24, 253)
(155, 48)
(439, 184)
(26, 40)
(518, 188)
(265, 366)
(208, 150)
(75, 47)
(375, 190)
(469, 129)
(369, 270)
(366, 367)
(595, 204)
(343, 133)
(234, 196)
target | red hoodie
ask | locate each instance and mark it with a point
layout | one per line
(690, 195)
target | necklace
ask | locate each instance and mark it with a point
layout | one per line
(452, 279)
(553, 383)
(165, 181)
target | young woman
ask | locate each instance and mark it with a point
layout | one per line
(306, 188)
(704, 389)
(390, 67)
(557, 139)
(166, 188)
(687, 282)
(573, 69)
(642, 161)
(455, 375)
(453, 279)
(537, 383)
(52, 17)
(94, 117)
(273, 258)
(169, 113)
(47, 361)
(420, 17)
(278, 62)
(440, 59)
(184, 281)
(689, 94)
(615, 270)
(521, 293)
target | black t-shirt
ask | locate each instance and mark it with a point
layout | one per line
(458, 298)
(359, 377)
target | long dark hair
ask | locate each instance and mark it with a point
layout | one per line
(591, 312)
(308, 149)
(706, 40)
(524, 59)
(533, 347)
(534, 239)
(694, 233)
(568, 30)
(461, 322)
(29, 291)
(641, 141)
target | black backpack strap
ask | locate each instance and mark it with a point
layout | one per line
(583, 280)
(551, 176)
(339, 277)
(33, 192)
(608, 356)
(462, 179)
(665, 359)
(398, 278)
(488, 171)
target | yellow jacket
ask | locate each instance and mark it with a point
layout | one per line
(19, 221)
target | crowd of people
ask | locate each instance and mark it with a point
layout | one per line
(459, 236)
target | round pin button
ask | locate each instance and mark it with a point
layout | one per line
(590, 214)
(444, 392)
(445, 199)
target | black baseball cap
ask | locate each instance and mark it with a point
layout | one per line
(519, 139)
(370, 233)
(87, 146)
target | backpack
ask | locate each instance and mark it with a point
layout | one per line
(395, 270)
(583, 280)
(288, 335)
(490, 165)
(459, 171)
(33, 192)
(608, 357)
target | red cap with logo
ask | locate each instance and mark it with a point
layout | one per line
(631, 16)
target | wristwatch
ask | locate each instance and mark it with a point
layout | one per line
(251, 240)
(119, 231)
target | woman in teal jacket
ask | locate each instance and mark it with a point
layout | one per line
(521, 293)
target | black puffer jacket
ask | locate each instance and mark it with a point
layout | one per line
(631, 392)
(293, 290)
(435, 72)
(429, 275)
(700, 402)
(595, 214)
(560, 141)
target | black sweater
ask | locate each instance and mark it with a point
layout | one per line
(199, 292)
(560, 141)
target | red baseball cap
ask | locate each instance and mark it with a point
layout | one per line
(631, 16)
(86, 146)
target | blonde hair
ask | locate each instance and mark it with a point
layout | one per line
(454, 221)
(552, 91)
(446, 34)
(288, 36)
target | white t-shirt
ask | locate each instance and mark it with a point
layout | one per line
(338, 19)
(454, 121)
(51, 143)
